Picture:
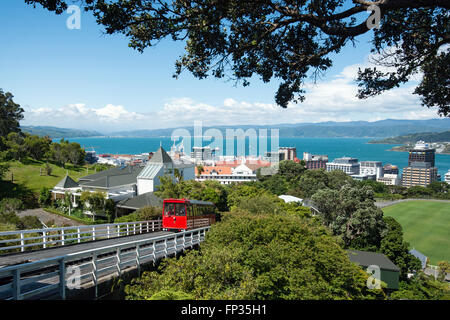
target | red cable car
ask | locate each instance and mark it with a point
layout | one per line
(184, 214)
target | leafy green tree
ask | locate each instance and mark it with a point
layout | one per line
(291, 40)
(311, 182)
(45, 196)
(10, 114)
(11, 205)
(30, 222)
(377, 187)
(4, 167)
(351, 214)
(276, 184)
(96, 202)
(422, 287)
(419, 191)
(36, 146)
(314, 180)
(295, 209)
(56, 153)
(167, 188)
(48, 169)
(200, 170)
(337, 179)
(259, 257)
(244, 190)
(75, 154)
(207, 191)
(260, 204)
(440, 189)
(14, 146)
(291, 171)
(444, 269)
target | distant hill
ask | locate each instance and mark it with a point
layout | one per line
(377, 129)
(412, 138)
(58, 133)
(361, 129)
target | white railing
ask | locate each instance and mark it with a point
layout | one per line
(53, 276)
(21, 240)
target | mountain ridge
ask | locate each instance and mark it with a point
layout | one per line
(364, 129)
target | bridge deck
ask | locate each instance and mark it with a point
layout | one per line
(30, 256)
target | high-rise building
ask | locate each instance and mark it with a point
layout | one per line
(201, 153)
(313, 161)
(420, 170)
(390, 169)
(371, 168)
(349, 165)
(287, 153)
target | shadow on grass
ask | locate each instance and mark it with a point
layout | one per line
(9, 189)
(30, 161)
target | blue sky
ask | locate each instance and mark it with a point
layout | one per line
(86, 79)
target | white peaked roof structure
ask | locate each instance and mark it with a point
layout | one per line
(288, 199)
(159, 160)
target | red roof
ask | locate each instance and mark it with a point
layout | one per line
(220, 170)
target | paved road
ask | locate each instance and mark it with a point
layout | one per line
(29, 256)
(46, 217)
(382, 204)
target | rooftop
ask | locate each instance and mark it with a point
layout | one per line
(66, 183)
(366, 258)
(143, 200)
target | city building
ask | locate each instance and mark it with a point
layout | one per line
(390, 179)
(200, 154)
(371, 168)
(315, 161)
(363, 177)
(287, 153)
(390, 169)
(226, 174)
(283, 153)
(349, 165)
(421, 170)
(447, 177)
(126, 182)
(159, 165)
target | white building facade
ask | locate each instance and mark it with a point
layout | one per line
(346, 164)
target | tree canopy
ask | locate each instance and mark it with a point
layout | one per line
(259, 257)
(10, 114)
(290, 40)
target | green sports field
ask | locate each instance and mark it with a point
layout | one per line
(426, 226)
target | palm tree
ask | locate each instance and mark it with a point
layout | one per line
(200, 170)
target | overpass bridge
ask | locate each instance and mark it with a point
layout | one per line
(59, 263)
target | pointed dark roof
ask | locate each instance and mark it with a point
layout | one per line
(67, 182)
(127, 175)
(160, 156)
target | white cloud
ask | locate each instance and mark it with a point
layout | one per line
(331, 100)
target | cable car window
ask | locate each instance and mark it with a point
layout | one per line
(169, 209)
(180, 209)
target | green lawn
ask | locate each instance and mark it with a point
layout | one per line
(28, 174)
(426, 226)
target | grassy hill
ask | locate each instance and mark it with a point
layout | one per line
(28, 179)
(426, 226)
